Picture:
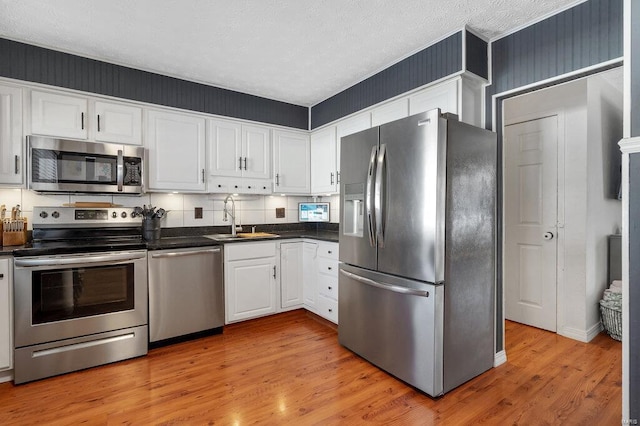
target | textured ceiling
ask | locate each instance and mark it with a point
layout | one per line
(297, 51)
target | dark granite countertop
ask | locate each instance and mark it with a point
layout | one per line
(176, 238)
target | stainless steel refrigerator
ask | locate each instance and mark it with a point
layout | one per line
(417, 249)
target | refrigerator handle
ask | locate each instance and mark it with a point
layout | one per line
(379, 194)
(385, 286)
(370, 177)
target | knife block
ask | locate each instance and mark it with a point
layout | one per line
(14, 238)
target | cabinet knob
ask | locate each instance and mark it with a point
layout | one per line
(329, 287)
(330, 310)
(1, 276)
(329, 267)
(329, 251)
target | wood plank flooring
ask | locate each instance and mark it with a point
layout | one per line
(290, 369)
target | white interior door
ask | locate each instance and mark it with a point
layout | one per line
(530, 218)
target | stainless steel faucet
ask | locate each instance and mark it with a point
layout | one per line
(226, 213)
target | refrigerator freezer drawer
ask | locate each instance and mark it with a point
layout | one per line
(395, 324)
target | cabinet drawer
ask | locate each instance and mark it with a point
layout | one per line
(328, 266)
(328, 250)
(241, 251)
(328, 308)
(328, 286)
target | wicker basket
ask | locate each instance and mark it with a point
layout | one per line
(612, 321)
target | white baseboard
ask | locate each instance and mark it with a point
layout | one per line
(6, 376)
(500, 358)
(581, 335)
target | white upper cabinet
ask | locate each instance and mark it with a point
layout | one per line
(59, 115)
(75, 117)
(238, 150)
(10, 135)
(443, 96)
(176, 151)
(116, 122)
(256, 149)
(224, 143)
(324, 167)
(390, 112)
(291, 160)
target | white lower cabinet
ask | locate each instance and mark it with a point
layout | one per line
(291, 275)
(5, 315)
(260, 281)
(310, 280)
(327, 281)
(250, 280)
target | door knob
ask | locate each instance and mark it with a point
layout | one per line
(548, 235)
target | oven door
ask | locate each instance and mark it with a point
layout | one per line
(60, 297)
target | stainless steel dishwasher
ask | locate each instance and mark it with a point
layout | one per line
(185, 292)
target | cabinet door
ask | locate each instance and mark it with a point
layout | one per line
(443, 96)
(256, 152)
(347, 127)
(310, 268)
(224, 143)
(5, 316)
(291, 160)
(118, 123)
(10, 135)
(291, 271)
(176, 144)
(58, 115)
(250, 288)
(324, 170)
(390, 112)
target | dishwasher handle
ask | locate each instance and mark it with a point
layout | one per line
(183, 253)
(386, 286)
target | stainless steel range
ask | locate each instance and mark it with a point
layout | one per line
(80, 296)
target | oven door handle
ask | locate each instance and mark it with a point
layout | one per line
(79, 260)
(120, 170)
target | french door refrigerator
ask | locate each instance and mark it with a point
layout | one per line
(417, 249)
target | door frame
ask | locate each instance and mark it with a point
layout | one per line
(495, 106)
(559, 113)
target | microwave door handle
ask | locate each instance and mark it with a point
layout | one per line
(120, 170)
(379, 194)
(369, 200)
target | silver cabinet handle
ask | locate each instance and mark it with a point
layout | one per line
(202, 175)
(82, 120)
(331, 178)
(277, 179)
(369, 201)
(240, 163)
(17, 158)
(98, 122)
(120, 170)
(274, 272)
(183, 253)
(385, 286)
(245, 163)
(337, 176)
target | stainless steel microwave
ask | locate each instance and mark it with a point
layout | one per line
(60, 165)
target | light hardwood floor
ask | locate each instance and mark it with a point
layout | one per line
(290, 369)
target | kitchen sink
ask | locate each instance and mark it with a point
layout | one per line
(240, 236)
(221, 237)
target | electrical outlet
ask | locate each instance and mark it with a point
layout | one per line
(279, 212)
(197, 211)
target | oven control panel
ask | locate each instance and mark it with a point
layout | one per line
(45, 217)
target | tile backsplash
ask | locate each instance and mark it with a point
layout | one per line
(250, 210)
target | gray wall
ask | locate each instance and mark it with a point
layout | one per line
(585, 35)
(430, 64)
(35, 64)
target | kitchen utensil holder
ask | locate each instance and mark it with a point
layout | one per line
(14, 238)
(151, 229)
